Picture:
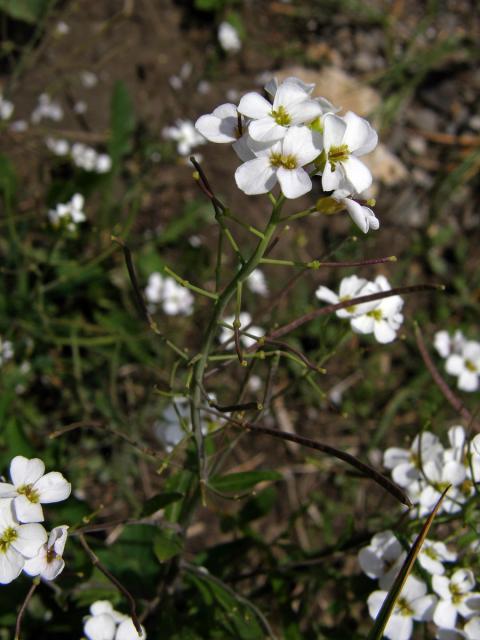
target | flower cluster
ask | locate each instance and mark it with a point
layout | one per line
(68, 215)
(451, 588)
(382, 317)
(165, 291)
(105, 623)
(24, 543)
(427, 468)
(83, 156)
(291, 137)
(462, 358)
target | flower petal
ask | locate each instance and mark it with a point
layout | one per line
(30, 537)
(24, 471)
(101, 627)
(357, 174)
(27, 511)
(334, 129)
(53, 487)
(254, 105)
(11, 565)
(255, 176)
(266, 130)
(360, 136)
(294, 183)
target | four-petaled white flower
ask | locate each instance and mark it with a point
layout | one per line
(456, 598)
(105, 623)
(405, 464)
(185, 135)
(226, 335)
(69, 214)
(48, 563)
(174, 299)
(446, 344)
(382, 558)
(283, 161)
(465, 364)
(225, 125)
(412, 604)
(344, 139)
(17, 542)
(350, 287)
(292, 105)
(30, 488)
(432, 556)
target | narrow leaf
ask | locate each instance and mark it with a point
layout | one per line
(235, 482)
(385, 612)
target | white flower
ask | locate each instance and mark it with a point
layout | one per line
(471, 631)
(103, 163)
(385, 319)
(350, 287)
(17, 542)
(126, 631)
(456, 597)
(6, 108)
(256, 283)
(465, 364)
(6, 351)
(432, 556)
(30, 488)
(185, 135)
(226, 336)
(439, 474)
(412, 605)
(362, 215)
(344, 139)
(445, 345)
(169, 429)
(69, 214)
(292, 105)
(382, 558)
(222, 126)
(58, 146)
(88, 79)
(283, 161)
(405, 464)
(229, 38)
(102, 624)
(48, 563)
(62, 28)
(46, 109)
(175, 299)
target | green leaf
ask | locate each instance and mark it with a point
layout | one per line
(160, 501)
(122, 123)
(166, 545)
(244, 481)
(8, 179)
(26, 10)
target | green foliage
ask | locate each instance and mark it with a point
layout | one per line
(241, 482)
(26, 10)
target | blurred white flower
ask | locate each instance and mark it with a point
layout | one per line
(6, 351)
(228, 37)
(465, 364)
(432, 556)
(88, 159)
(445, 344)
(46, 109)
(185, 135)
(58, 146)
(105, 623)
(6, 108)
(405, 464)
(383, 558)
(257, 283)
(31, 487)
(165, 291)
(226, 335)
(169, 428)
(69, 214)
(62, 28)
(88, 79)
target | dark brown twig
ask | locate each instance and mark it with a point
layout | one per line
(448, 394)
(96, 563)
(24, 606)
(362, 467)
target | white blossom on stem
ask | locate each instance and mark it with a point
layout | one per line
(174, 299)
(385, 319)
(361, 215)
(282, 162)
(465, 364)
(344, 140)
(432, 556)
(456, 598)
(31, 487)
(412, 604)
(406, 464)
(292, 105)
(49, 563)
(350, 287)
(17, 542)
(383, 558)
(226, 335)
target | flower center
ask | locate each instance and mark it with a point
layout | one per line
(470, 366)
(9, 535)
(457, 595)
(338, 154)
(29, 492)
(281, 116)
(404, 608)
(431, 553)
(287, 162)
(376, 314)
(349, 309)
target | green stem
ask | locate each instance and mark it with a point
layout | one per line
(220, 304)
(188, 285)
